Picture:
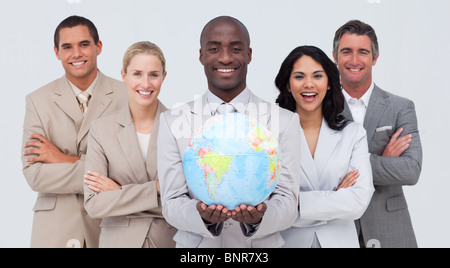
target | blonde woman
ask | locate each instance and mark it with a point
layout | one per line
(121, 181)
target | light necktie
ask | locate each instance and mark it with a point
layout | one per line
(225, 108)
(83, 99)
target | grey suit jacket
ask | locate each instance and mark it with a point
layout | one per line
(53, 111)
(387, 222)
(134, 211)
(179, 202)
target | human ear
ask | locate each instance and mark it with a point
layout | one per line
(250, 51)
(374, 62)
(123, 74)
(99, 47)
(201, 56)
(57, 53)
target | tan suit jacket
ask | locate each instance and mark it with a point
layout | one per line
(53, 111)
(132, 216)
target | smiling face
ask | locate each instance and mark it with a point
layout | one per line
(355, 60)
(144, 77)
(78, 53)
(225, 53)
(308, 84)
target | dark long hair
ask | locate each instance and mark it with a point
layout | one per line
(333, 103)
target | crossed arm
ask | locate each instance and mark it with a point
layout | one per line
(42, 150)
(401, 161)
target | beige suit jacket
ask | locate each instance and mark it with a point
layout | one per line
(132, 216)
(53, 111)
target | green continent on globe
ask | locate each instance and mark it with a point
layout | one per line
(215, 166)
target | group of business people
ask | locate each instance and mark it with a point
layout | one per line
(106, 156)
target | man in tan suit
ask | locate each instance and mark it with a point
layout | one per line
(57, 121)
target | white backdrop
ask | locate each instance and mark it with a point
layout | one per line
(414, 38)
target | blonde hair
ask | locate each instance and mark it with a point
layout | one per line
(141, 48)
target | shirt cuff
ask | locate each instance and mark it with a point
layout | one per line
(249, 229)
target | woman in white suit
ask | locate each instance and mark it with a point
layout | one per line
(336, 177)
(121, 181)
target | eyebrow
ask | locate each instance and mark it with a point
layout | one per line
(316, 72)
(219, 43)
(82, 42)
(140, 71)
(361, 49)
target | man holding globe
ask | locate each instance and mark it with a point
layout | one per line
(225, 53)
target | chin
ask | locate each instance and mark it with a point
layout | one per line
(227, 87)
(148, 103)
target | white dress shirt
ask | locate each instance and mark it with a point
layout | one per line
(240, 102)
(359, 107)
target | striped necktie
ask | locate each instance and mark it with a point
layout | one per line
(225, 108)
(83, 99)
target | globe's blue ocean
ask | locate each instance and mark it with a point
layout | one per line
(231, 161)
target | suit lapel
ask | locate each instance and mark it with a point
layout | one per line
(151, 161)
(307, 163)
(130, 145)
(255, 109)
(328, 139)
(97, 105)
(377, 105)
(375, 109)
(66, 100)
(347, 113)
(200, 112)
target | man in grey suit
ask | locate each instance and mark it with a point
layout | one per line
(392, 133)
(225, 53)
(57, 121)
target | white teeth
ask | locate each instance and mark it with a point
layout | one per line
(145, 93)
(309, 94)
(78, 63)
(355, 70)
(225, 70)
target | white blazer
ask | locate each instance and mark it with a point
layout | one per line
(324, 212)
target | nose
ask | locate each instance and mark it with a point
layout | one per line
(225, 57)
(145, 82)
(354, 60)
(308, 83)
(77, 52)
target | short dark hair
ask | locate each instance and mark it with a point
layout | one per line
(360, 28)
(74, 21)
(334, 101)
(229, 20)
